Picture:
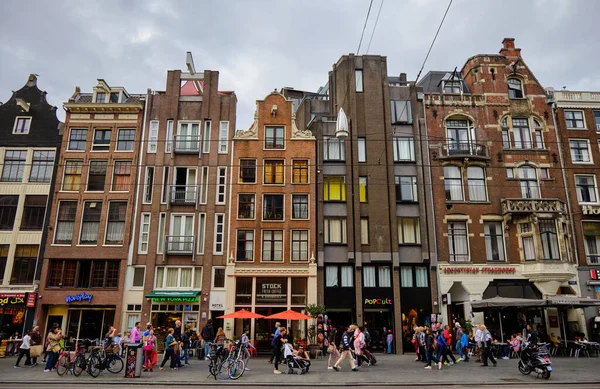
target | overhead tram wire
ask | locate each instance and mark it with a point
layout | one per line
(364, 28)
(375, 26)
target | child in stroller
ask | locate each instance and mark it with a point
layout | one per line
(295, 359)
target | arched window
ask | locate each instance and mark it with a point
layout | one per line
(476, 181)
(530, 188)
(453, 183)
(460, 135)
(515, 88)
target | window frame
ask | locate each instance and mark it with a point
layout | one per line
(30, 271)
(363, 189)
(18, 119)
(328, 156)
(216, 234)
(41, 164)
(83, 221)
(132, 285)
(572, 120)
(126, 141)
(273, 242)
(343, 241)
(448, 187)
(102, 147)
(451, 232)
(588, 148)
(213, 274)
(500, 240)
(523, 180)
(481, 180)
(416, 224)
(84, 140)
(361, 143)
(274, 164)
(272, 142)
(589, 257)
(300, 241)
(359, 83)
(239, 206)
(302, 170)
(17, 165)
(11, 210)
(301, 204)
(223, 137)
(164, 271)
(57, 221)
(396, 146)
(514, 90)
(89, 175)
(274, 209)
(76, 164)
(144, 237)
(547, 239)
(327, 188)
(239, 242)
(594, 189)
(221, 186)
(153, 128)
(364, 231)
(148, 193)
(413, 189)
(246, 165)
(114, 186)
(108, 221)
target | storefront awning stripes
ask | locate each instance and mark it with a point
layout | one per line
(174, 296)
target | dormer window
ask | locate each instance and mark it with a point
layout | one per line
(22, 125)
(100, 97)
(515, 88)
(452, 86)
(114, 97)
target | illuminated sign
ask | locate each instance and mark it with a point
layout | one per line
(175, 299)
(377, 301)
(78, 298)
(477, 270)
(17, 299)
(589, 210)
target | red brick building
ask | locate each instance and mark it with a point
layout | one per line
(90, 222)
(502, 221)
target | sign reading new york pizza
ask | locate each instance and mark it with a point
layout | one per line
(480, 270)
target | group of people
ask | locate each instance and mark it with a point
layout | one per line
(353, 346)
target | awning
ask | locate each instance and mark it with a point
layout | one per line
(174, 296)
(504, 302)
(572, 301)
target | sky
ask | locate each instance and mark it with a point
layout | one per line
(258, 46)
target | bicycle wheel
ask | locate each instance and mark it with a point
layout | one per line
(93, 365)
(62, 367)
(79, 365)
(240, 366)
(226, 369)
(212, 368)
(114, 364)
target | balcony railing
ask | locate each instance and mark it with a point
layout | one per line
(463, 150)
(529, 206)
(180, 245)
(183, 194)
(187, 144)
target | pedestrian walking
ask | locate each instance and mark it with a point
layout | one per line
(150, 348)
(486, 341)
(273, 343)
(464, 343)
(346, 353)
(279, 341)
(208, 334)
(332, 348)
(388, 341)
(478, 342)
(359, 344)
(185, 345)
(245, 342)
(24, 351)
(170, 350)
(54, 336)
(430, 349)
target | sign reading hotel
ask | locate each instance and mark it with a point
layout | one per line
(480, 270)
(589, 210)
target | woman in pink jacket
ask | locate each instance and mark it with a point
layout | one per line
(359, 344)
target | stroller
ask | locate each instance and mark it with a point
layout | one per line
(293, 362)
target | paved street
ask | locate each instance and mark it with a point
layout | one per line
(390, 371)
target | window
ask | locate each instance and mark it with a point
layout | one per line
(476, 180)
(494, 241)
(527, 242)
(125, 140)
(452, 86)
(42, 166)
(409, 231)
(369, 279)
(335, 274)
(248, 171)
(274, 173)
(114, 97)
(144, 233)
(406, 276)
(362, 149)
(65, 221)
(272, 245)
(510, 173)
(404, 149)
(574, 120)
(246, 204)
(299, 245)
(34, 211)
(201, 232)
(24, 265)
(406, 188)
(460, 137)
(83, 274)
(401, 112)
(331, 276)
(178, 278)
(14, 165)
(206, 146)
(586, 188)
(245, 245)
(77, 139)
(188, 138)
(364, 230)
(544, 173)
(505, 139)
(90, 222)
(148, 185)
(362, 189)
(458, 242)
(115, 230)
(219, 233)
(169, 140)
(72, 176)
(539, 134)
(591, 237)
(529, 184)
(121, 176)
(97, 175)
(300, 206)
(101, 140)
(274, 138)
(3, 259)
(223, 137)
(100, 97)
(422, 281)
(300, 172)
(273, 207)
(334, 230)
(164, 190)
(221, 184)
(334, 188)
(139, 274)
(515, 88)
(8, 211)
(204, 185)
(522, 133)
(549, 238)
(162, 222)
(384, 277)
(334, 149)
(153, 136)
(453, 183)
(580, 150)
(218, 277)
(358, 77)
(597, 120)
(22, 125)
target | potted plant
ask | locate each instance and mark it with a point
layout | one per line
(313, 310)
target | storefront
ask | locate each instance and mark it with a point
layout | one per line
(378, 314)
(170, 306)
(16, 313)
(415, 297)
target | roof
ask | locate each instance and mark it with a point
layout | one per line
(86, 98)
(432, 82)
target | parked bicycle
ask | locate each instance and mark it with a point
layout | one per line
(107, 359)
(233, 366)
(76, 364)
(215, 357)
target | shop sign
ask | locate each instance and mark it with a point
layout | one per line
(595, 274)
(31, 297)
(589, 210)
(378, 301)
(217, 300)
(271, 290)
(478, 270)
(446, 299)
(12, 299)
(174, 299)
(78, 298)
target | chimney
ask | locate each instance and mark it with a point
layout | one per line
(32, 80)
(403, 78)
(508, 48)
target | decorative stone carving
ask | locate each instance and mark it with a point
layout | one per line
(532, 206)
(252, 132)
(300, 134)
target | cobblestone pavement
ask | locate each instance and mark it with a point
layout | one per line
(389, 371)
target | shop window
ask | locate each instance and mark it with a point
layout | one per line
(299, 291)
(115, 228)
(404, 149)
(65, 222)
(406, 189)
(300, 172)
(453, 183)
(274, 138)
(42, 166)
(421, 279)
(494, 241)
(334, 149)
(300, 245)
(591, 237)
(247, 171)
(362, 149)
(406, 276)
(14, 165)
(476, 181)
(458, 242)
(243, 290)
(3, 259)
(245, 245)
(334, 188)
(515, 88)
(530, 188)
(527, 241)
(24, 264)
(218, 277)
(121, 176)
(586, 188)
(138, 277)
(300, 206)
(97, 175)
(362, 189)
(549, 238)
(334, 230)
(272, 245)
(409, 231)
(101, 140)
(273, 207)
(274, 172)
(8, 211)
(77, 139)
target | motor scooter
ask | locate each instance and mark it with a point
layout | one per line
(535, 359)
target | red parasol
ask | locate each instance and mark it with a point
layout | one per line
(241, 314)
(289, 315)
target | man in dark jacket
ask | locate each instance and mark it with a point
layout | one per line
(346, 349)
(208, 335)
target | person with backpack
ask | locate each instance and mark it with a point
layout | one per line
(430, 349)
(208, 334)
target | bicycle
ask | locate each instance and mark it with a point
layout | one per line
(233, 366)
(215, 357)
(107, 359)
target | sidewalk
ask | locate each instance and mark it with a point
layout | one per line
(390, 371)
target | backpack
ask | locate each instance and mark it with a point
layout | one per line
(367, 338)
(274, 341)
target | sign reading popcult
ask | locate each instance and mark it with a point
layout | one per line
(477, 270)
(378, 301)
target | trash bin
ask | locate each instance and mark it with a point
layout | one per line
(133, 360)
